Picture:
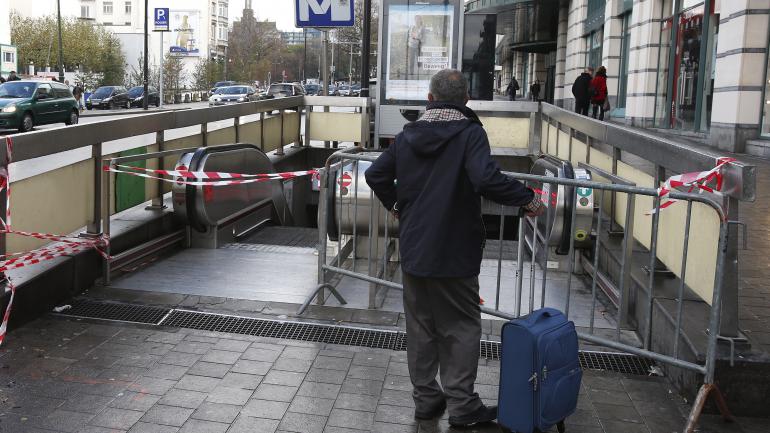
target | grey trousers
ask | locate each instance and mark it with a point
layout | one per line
(443, 327)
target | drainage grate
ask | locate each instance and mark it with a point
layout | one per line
(117, 311)
(343, 335)
(287, 330)
(619, 362)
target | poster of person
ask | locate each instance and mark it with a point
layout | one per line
(184, 32)
(419, 45)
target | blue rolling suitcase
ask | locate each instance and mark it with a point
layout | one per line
(539, 372)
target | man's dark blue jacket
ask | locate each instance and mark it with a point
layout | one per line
(435, 174)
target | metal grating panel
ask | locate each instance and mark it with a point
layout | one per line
(343, 335)
(619, 362)
(117, 311)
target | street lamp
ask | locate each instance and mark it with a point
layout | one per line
(61, 48)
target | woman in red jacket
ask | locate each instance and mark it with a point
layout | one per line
(599, 92)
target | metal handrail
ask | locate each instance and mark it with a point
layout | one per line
(740, 178)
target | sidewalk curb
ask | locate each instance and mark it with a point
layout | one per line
(125, 112)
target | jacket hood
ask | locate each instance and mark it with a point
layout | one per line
(430, 138)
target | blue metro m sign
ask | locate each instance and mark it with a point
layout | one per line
(324, 13)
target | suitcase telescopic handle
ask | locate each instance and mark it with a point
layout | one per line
(543, 313)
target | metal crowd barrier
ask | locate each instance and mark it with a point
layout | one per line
(531, 242)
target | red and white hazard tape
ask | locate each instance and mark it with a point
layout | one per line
(689, 182)
(70, 245)
(205, 178)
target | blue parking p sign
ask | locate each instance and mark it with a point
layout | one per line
(161, 20)
(324, 13)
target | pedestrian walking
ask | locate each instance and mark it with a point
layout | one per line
(513, 87)
(534, 90)
(12, 76)
(77, 92)
(599, 101)
(581, 91)
(443, 166)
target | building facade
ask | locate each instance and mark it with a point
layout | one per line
(8, 54)
(691, 67)
(298, 38)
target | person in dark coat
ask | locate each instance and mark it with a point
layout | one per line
(513, 87)
(581, 91)
(534, 90)
(13, 77)
(432, 179)
(599, 92)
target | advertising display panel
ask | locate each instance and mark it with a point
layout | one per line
(416, 40)
(185, 31)
(420, 41)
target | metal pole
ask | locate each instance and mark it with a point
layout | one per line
(160, 90)
(304, 53)
(350, 69)
(366, 39)
(61, 48)
(146, 57)
(324, 66)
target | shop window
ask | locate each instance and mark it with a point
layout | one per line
(594, 42)
(686, 69)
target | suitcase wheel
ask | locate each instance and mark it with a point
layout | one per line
(560, 427)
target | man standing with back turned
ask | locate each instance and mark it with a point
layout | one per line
(443, 166)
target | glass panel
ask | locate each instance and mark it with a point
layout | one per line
(661, 91)
(479, 54)
(765, 132)
(624, 50)
(686, 69)
(686, 4)
(594, 48)
(710, 70)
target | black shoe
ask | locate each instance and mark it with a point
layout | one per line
(432, 414)
(480, 415)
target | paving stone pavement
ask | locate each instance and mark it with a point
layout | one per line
(60, 375)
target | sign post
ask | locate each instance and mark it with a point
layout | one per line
(324, 14)
(161, 25)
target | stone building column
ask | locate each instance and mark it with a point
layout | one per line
(561, 55)
(739, 73)
(576, 48)
(612, 47)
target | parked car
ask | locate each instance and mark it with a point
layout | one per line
(355, 90)
(343, 90)
(219, 84)
(333, 90)
(282, 90)
(233, 94)
(136, 96)
(313, 89)
(109, 97)
(24, 104)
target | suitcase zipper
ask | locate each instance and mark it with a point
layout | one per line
(545, 372)
(533, 379)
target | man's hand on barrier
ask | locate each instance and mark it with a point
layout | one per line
(534, 208)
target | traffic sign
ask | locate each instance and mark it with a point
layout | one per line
(161, 20)
(324, 13)
(345, 180)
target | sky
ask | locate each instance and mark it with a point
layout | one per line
(280, 11)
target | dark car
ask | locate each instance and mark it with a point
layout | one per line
(219, 84)
(282, 90)
(109, 97)
(355, 90)
(24, 104)
(313, 89)
(136, 96)
(233, 94)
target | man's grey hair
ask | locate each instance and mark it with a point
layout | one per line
(449, 85)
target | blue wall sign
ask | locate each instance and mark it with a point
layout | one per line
(324, 13)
